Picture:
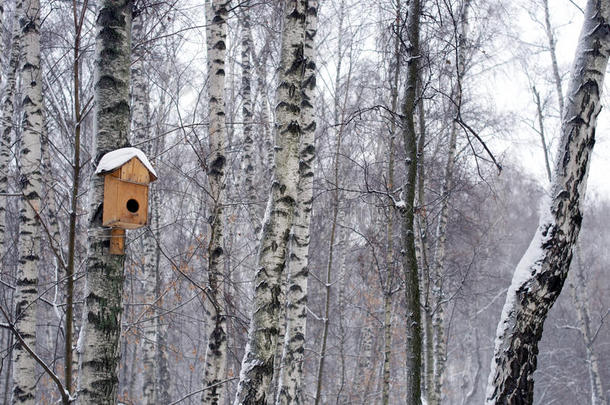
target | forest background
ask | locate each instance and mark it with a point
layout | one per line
(478, 219)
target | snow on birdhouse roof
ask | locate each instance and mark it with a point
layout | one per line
(117, 158)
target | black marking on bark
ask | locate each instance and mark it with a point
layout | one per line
(217, 165)
(220, 45)
(120, 109)
(216, 253)
(293, 108)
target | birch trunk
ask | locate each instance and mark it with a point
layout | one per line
(579, 297)
(540, 275)
(216, 353)
(140, 123)
(578, 287)
(409, 257)
(257, 365)
(8, 109)
(69, 366)
(439, 352)
(99, 338)
(30, 230)
(1, 34)
(366, 367)
(389, 284)
(266, 141)
(545, 149)
(552, 42)
(428, 334)
(249, 162)
(340, 313)
(281, 336)
(338, 117)
(162, 378)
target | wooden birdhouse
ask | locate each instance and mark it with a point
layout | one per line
(127, 176)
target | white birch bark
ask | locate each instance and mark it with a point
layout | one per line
(257, 365)
(266, 141)
(422, 240)
(395, 68)
(578, 287)
(30, 230)
(552, 43)
(140, 122)
(8, 109)
(99, 340)
(545, 149)
(342, 304)
(216, 353)
(439, 351)
(163, 377)
(539, 277)
(337, 215)
(579, 297)
(291, 370)
(249, 161)
(1, 34)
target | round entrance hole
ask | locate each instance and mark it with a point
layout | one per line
(132, 206)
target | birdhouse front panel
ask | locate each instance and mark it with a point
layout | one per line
(125, 202)
(135, 171)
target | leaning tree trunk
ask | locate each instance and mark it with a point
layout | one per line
(26, 291)
(409, 257)
(578, 288)
(257, 364)
(539, 276)
(216, 353)
(99, 340)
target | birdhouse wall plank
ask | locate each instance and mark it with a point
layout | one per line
(135, 171)
(117, 242)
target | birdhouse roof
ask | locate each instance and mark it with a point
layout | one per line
(117, 158)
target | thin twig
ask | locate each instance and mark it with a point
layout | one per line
(203, 389)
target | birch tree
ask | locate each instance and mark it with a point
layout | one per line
(388, 288)
(336, 235)
(30, 230)
(8, 109)
(257, 365)
(579, 297)
(216, 354)
(249, 161)
(291, 370)
(140, 130)
(539, 276)
(409, 258)
(439, 349)
(99, 338)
